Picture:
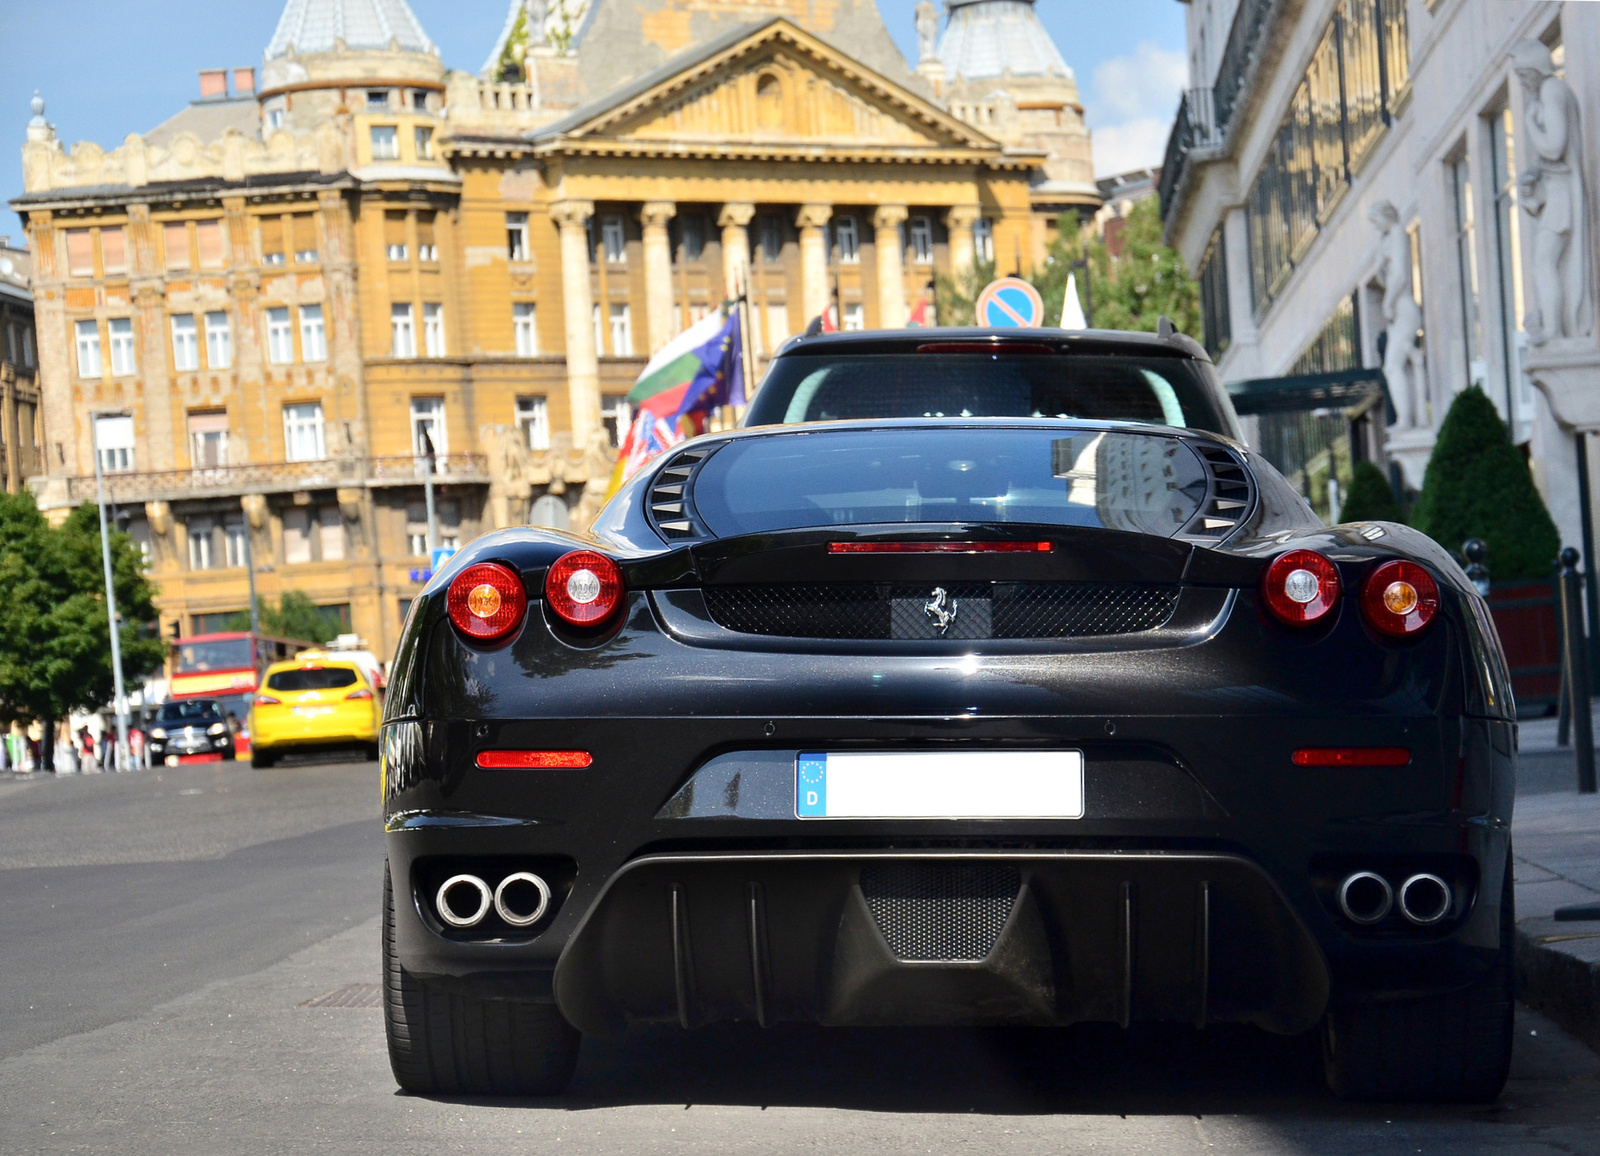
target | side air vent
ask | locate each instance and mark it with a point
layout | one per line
(1230, 496)
(669, 501)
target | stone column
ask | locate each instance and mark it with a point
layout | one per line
(812, 221)
(657, 272)
(583, 362)
(891, 268)
(734, 219)
(959, 219)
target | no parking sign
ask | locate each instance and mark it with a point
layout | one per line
(1010, 303)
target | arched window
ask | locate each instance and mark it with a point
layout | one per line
(769, 102)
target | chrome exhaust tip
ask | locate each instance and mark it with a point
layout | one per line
(522, 898)
(460, 888)
(1365, 897)
(1425, 899)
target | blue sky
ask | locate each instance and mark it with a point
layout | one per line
(107, 67)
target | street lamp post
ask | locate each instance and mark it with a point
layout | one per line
(111, 602)
(427, 493)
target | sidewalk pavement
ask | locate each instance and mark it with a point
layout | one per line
(1556, 840)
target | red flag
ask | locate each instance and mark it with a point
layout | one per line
(919, 315)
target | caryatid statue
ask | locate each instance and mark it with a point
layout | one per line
(1550, 188)
(1402, 354)
(927, 31)
(535, 12)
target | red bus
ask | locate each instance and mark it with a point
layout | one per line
(226, 666)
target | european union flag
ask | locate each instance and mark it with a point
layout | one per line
(811, 786)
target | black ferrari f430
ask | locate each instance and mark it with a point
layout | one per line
(951, 721)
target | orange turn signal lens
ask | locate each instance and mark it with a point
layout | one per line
(513, 760)
(1352, 757)
(486, 602)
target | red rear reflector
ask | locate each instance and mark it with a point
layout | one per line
(267, 700)
(1352, 757)
(994, 347)
(503, 760)
(363, 693)
(940, 547)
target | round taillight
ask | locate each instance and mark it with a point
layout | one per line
(583, 587)
(1400, 599)
(1301, 587)
(486, 601)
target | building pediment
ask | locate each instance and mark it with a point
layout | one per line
(771, 90)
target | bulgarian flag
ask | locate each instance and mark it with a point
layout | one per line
(697, 371)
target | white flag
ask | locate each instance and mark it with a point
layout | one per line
(1071, 310)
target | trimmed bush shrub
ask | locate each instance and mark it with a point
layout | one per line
(1371, 499)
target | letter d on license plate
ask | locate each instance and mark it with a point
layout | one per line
(939, 785)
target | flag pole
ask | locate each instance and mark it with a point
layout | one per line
(747, 349)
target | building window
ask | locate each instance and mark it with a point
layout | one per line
(274, 119)
(402, 332)
(394, 236)
(533, 419)
(219, 341)
(614, 238)
(599, 331)
(302, 432)
(1508, 259)
(385, 142)
(208, 239)
(236, 548)
(122, 360)
(377, 98)
(330, 533)
(692, 229)
(185, 343)
(849, 241)
(1467, 269)
(427, 250)
(28, 355)
(769, 234)
(423, 137)
(280, 341)
(983, 239)
(175, 242)
(922, 240)
(419, 100)
(313, 337)
(1216, 324)
(305, 239)
(621, 332)
(297, 535)
(517, 236)
(114, 250)
(523, 329)
(113, 439)
(80, 252)
(447, 520)
(208, 440)
(433, 329)
(427, 426)
(202, 550)
(88, 333)
(272, 245)
(616, 415)
(854, 318)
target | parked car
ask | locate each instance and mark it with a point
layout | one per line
(310, 702)
(1084, 374)
(934, 721)
(190, 730)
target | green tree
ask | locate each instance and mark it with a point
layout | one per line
(955, 298)
(295, 616)
(1371, 498)
(1478, 486)
(55, 643)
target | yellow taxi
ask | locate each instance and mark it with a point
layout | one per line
(313, 700)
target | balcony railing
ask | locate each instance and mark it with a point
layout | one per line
(279, 477)
(1203, 120)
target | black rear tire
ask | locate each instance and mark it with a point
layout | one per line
(1453, 1048)
(260, 759)
(445, 1043)
(370, 752)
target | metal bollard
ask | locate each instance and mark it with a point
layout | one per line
(1476, 550)
(1574, 654)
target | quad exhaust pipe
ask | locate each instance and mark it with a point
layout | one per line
(464, 901)
(1366, 897)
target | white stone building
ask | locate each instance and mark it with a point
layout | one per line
(1416, 176)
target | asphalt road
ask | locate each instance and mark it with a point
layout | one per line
(160, 932)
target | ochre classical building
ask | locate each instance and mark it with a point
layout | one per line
(259, 313)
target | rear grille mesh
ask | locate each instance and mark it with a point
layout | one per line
(940, 911)
(864, 611)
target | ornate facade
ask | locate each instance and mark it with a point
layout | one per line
(261, 311)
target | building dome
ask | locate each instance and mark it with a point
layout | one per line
(989, 39)
(310, 26)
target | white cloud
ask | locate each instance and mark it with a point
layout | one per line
(1135, 99)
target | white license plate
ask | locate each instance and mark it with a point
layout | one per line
(939, 785)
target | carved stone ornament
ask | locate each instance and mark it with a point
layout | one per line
(1403, 365)
(1550, 188)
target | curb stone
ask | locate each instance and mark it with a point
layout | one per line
(1558, 973)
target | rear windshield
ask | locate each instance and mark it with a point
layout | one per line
(1173, 391)
(312, 678)
(1141, 483)
(190, 710)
